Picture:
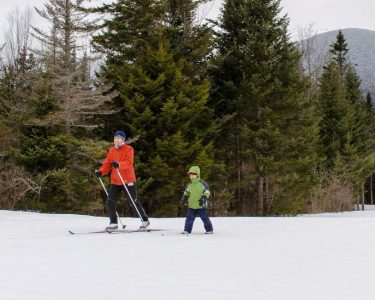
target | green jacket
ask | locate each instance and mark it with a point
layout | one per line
(196, 189)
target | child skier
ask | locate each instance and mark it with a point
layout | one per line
(195, 196)
(120, 157)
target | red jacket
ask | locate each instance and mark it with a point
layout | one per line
(124, 156)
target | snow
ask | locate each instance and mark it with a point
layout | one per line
(329, 256)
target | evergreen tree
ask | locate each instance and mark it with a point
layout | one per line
(127, 28)
(135, 24)
(58, 96)
(67, 67)
(125, 34)
(269, 147)
(160, 99)
(190, 39)
(369, 101)
(336, 115)
(344, 129)
(339, 51)
(370, 142)
(170, 114)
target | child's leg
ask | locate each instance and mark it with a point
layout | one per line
(190, 220)
(206, 220)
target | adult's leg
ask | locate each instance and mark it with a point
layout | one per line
(113, 192)
(190, 220)
(132, 188)
(202, 213)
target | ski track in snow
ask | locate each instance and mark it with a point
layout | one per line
(328, 256)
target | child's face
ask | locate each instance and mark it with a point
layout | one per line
(192, 175)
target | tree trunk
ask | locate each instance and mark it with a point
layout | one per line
(371, 191)
(358, 201)
(363, 196)
(239, 191)
(267, 198)
(260, 196)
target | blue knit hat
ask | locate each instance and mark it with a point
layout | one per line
(120, 134)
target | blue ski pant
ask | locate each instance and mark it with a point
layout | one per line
(192, 214)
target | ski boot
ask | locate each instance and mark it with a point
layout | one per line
(111, 227)
(144, 225)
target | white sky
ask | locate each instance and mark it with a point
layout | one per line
(326, 15)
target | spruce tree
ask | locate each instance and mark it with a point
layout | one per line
(134, 24)
(369, 103)
(190, 39)
(344, 130)
(339, 51)
(66, 65)
(160, 99)
(169, 113)
(336, 115)
(128, 26)
(62, 99)
(370, 142)
(269, 146)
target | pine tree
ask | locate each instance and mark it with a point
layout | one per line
(335, 107)
(125, 34)
(160, 99)
(269, 147)
(78, 97)
(369, 102)
(59, 96)
(336, 115)
(169, 113)
(128, 26)
(344, 130)
(190, 39)
(369, 170)
(135, 24)
(339, 51)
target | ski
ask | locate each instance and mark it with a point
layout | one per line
(88, 232)
(115, 231)
(133, 230)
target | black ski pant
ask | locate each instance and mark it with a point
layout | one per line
(113, 193)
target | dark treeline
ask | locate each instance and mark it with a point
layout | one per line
(231, 96)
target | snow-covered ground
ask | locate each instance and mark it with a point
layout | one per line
(330, 256)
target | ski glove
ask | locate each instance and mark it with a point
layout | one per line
(115, 164)
(203, 201)
(184, 200)
(98, 173)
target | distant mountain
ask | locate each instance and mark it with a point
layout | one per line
(361, 44)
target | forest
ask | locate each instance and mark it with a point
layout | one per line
(231, 95)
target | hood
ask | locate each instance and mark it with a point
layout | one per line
(196, 170)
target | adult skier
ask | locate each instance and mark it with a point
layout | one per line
(120, 158)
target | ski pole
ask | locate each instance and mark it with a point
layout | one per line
(130, 196)
(105, 190)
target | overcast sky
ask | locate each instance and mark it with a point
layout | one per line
(326, 15)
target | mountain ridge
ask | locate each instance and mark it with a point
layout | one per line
(361, 44)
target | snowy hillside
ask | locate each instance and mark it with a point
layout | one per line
(329, 257)
(361, 44)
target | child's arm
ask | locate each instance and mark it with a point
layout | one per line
(185, 196)
(206, 194)
(206, 188)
